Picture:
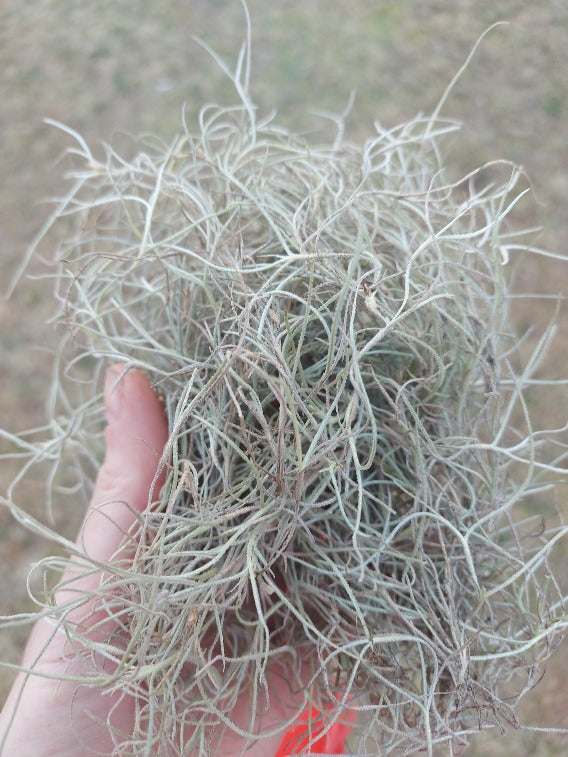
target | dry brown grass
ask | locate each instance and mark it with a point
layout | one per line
(106, 70)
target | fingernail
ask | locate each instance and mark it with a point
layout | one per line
(114, 393)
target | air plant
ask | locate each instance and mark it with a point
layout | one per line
(349, 439)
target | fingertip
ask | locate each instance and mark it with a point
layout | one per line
(133, 409)
(114, 392)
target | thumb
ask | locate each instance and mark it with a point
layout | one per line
(128, 479)
(135, 438)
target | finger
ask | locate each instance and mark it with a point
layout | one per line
(128, 479)
(135, 438)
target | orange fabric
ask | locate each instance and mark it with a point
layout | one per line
(298, 737)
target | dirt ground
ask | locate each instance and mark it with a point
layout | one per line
(104, 68)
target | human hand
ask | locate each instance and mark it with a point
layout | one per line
(44, 715)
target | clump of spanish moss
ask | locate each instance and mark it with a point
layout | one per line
(328, 328)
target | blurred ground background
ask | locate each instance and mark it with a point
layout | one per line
(129, 65)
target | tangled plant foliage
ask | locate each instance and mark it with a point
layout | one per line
(328, 329)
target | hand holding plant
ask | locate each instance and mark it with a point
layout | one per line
(47, 713)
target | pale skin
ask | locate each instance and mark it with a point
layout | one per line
(58, 718)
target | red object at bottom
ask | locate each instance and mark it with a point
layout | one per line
(299, 736)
